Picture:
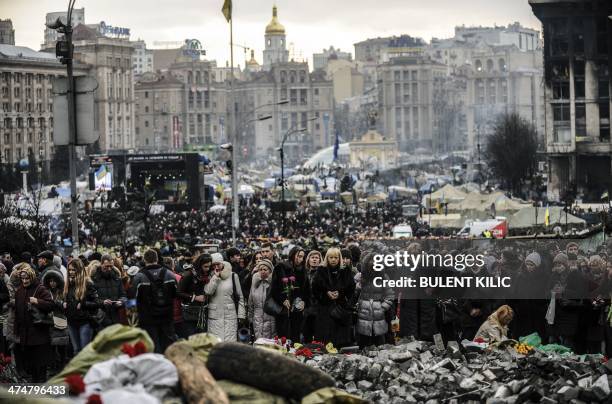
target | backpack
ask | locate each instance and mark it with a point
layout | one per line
(158, 299)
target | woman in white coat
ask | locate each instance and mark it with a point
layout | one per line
(226, 303)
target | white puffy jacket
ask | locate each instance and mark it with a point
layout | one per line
(222, 317)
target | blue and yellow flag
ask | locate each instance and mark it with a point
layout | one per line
(547, 217)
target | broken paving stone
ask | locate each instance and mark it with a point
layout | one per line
(374, 371)
(364, 385)
(601, 388)
(468, 384)
(568, 393)
(426, 356)
(351, 388)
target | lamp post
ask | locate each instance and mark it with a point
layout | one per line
(235, 204)
(234, 147)
(64, 49)
(281, 149)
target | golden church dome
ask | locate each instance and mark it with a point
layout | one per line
(275, 27)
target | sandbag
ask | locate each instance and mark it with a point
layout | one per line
(128, 394)
(156, 374)
(331, 395)
(202, 344)
(106, 345)
(264, 369)
(242, 394)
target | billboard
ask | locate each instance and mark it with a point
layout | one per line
(103, 177)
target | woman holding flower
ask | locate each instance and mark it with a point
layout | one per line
(287, 290)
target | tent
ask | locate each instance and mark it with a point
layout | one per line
(246, 190)
(452, 220)
(526, 217)
(446, 194)
(269, 183)
(483, 202)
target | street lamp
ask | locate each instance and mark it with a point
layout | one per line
(235, 204)
(281, 149)
(64, 49)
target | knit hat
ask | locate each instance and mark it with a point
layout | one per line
(267, 263)
(562, 259)
(534, 258)
(217, 257)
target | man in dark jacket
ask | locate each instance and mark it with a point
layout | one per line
(110, 291)
(45, 262)
(155, 290)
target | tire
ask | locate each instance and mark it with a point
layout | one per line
(267, 371)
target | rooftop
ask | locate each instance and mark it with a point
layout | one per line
(22, 52)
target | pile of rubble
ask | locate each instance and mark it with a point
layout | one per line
(421, 372)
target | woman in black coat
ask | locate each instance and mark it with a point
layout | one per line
(333, 287)
(32, 302)
(80, 304)
(287, 290)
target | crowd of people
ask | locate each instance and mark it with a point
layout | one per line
(54, 305)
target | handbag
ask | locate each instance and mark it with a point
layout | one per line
(340, 314)
(39, 317)
(271, 307)
(191, 312)
(60, 322)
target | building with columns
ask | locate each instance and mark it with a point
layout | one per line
(26, 117)
(577, 65)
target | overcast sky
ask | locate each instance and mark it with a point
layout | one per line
(311, 25)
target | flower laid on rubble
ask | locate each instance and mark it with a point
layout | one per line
(305, 352)
(75, 383)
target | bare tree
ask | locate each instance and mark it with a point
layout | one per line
(511, 150)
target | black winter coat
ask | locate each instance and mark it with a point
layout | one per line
(88, 305)
(109, 286)
(328, 329)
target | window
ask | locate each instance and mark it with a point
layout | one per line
(316, 91)
(489, 65)
(17, 92)
(577, 35)
(478, 66)
(559, 44)
(406, 75)
(604, 120)
(292, 76)
(146, 109)
(304, 120)
(283, 76)
(303, 97)
(479, 91)
(491, 91)
(502, 65)
(146, 124)
(602, 36)
(560, 80)
(284, 121)
(397, 93)
(415, 75)
(293, 96)
(580, 120)
(302, 76)
(396, 75)
(146, 94)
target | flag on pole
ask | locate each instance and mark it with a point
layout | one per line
(336, 146)
(227, 10)
(546, 217)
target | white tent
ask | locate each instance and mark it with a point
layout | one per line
(527, 217)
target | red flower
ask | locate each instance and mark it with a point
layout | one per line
(305, 352)
(75, 383)
(134, 350)
(285, 280)
(276, 338)
(128, 350)
(292, 278)
(140, 348)
(94, 399)
(283, 340)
